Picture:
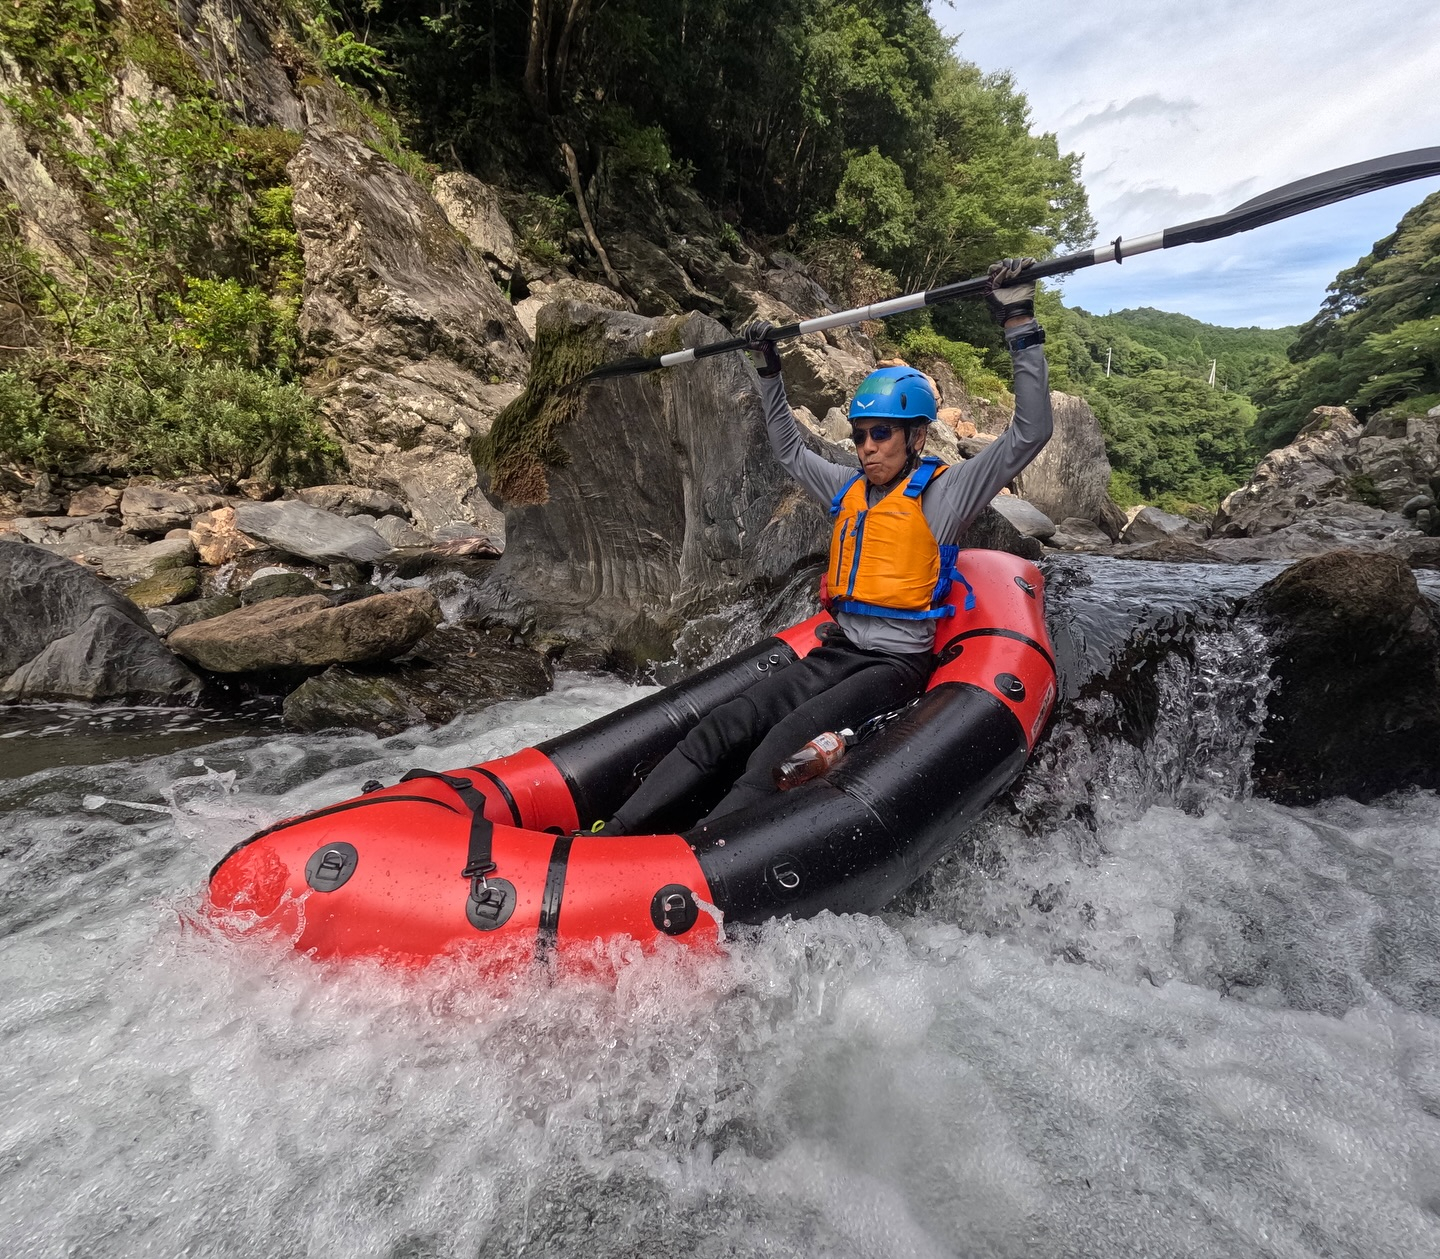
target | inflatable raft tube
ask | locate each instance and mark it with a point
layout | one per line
(486, 855)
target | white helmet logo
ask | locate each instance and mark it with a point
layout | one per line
(863, 405)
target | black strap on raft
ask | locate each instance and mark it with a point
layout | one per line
(478, 862)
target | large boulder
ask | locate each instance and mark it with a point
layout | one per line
(474, 211)
(420, 348)
(1150, 524)
(452, 670)
(1070, 477)
(1025, 516)
(634, 502)
(299, 529)
(1356, 661)
(69, 636)
(351, 500)
(308, 632)
(154, 510)
(128, 564)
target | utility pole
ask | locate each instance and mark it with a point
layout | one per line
(1107, 362)
(1212, 372)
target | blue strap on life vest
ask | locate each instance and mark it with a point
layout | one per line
(949, 574)
(922, 476)
(844, 490)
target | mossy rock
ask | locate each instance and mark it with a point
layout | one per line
(170, 585)
(278, 586)
(524, 440)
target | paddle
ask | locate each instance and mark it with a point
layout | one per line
(1283, 203)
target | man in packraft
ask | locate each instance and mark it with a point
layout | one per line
(896, 526)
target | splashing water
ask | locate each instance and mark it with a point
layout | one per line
(1181, 1023)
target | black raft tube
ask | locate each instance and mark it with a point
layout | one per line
(603, 762)
(855, 839)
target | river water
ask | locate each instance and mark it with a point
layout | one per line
(1137, 1013)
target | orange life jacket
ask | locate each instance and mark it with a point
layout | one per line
(884, 561)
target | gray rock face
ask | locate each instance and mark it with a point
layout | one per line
(1078, 534)
(474, 211)
(164, 620)
(351, 500)
(1150, 524)
(1071, 476)
(94, 500)
(308, 632)
(414, 329)
(453, 670)
(299, 529)
(277, 586)
(1356, 651)
(1025, 516)
(397, 532)
(566, 290)
(668, 497)
(1333, 461)
(69, 636)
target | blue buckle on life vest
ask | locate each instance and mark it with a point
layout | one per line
(844, 490)
(922, 476)
(949, 574)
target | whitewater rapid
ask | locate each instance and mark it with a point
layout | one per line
(1203, 1031)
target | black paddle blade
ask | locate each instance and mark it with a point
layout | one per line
(622, 367)
(1310, 194)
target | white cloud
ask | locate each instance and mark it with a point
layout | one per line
(1183, 110)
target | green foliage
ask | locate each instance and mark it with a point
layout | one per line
(1372, 343)
(849, 126)
(227, 322)
(1172, 440)
(174, 348)
(165, 179)
(167, 413)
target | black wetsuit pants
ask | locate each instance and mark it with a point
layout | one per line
(835, 686)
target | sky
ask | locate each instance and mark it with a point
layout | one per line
(1186, 108)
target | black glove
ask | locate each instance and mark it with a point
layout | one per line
(1006, 298)
(759, 335)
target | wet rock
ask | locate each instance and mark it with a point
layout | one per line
(164, 620)
(1330, 525)
(217, 540)
(1356, 709)
(308, 632)
(277, 586)
(1075, 533)
(1025, 516)
(1174, 550)
(94, 500)
(458, 538)
(173, 585)
(299, 529)
(473, 209)
(993, 532)
(1150, 524)
(451, 671)
(66, 635)
(136, 563)
(1071, 476)
(398, 533)
(153, 510)
(351, 500)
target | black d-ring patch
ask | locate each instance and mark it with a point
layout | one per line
(673, 909)
(331, 867)
(1010, 686)
(495, 904)
(1025, 585)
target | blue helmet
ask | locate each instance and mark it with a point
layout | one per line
(895, 393)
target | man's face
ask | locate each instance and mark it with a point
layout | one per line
(881, 447)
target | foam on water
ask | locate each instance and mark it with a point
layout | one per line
(1203, 1032)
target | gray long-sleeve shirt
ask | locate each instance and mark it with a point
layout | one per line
(951, 501)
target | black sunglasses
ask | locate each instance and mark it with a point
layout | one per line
(880, 433)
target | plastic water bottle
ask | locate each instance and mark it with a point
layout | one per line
(817, 757)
